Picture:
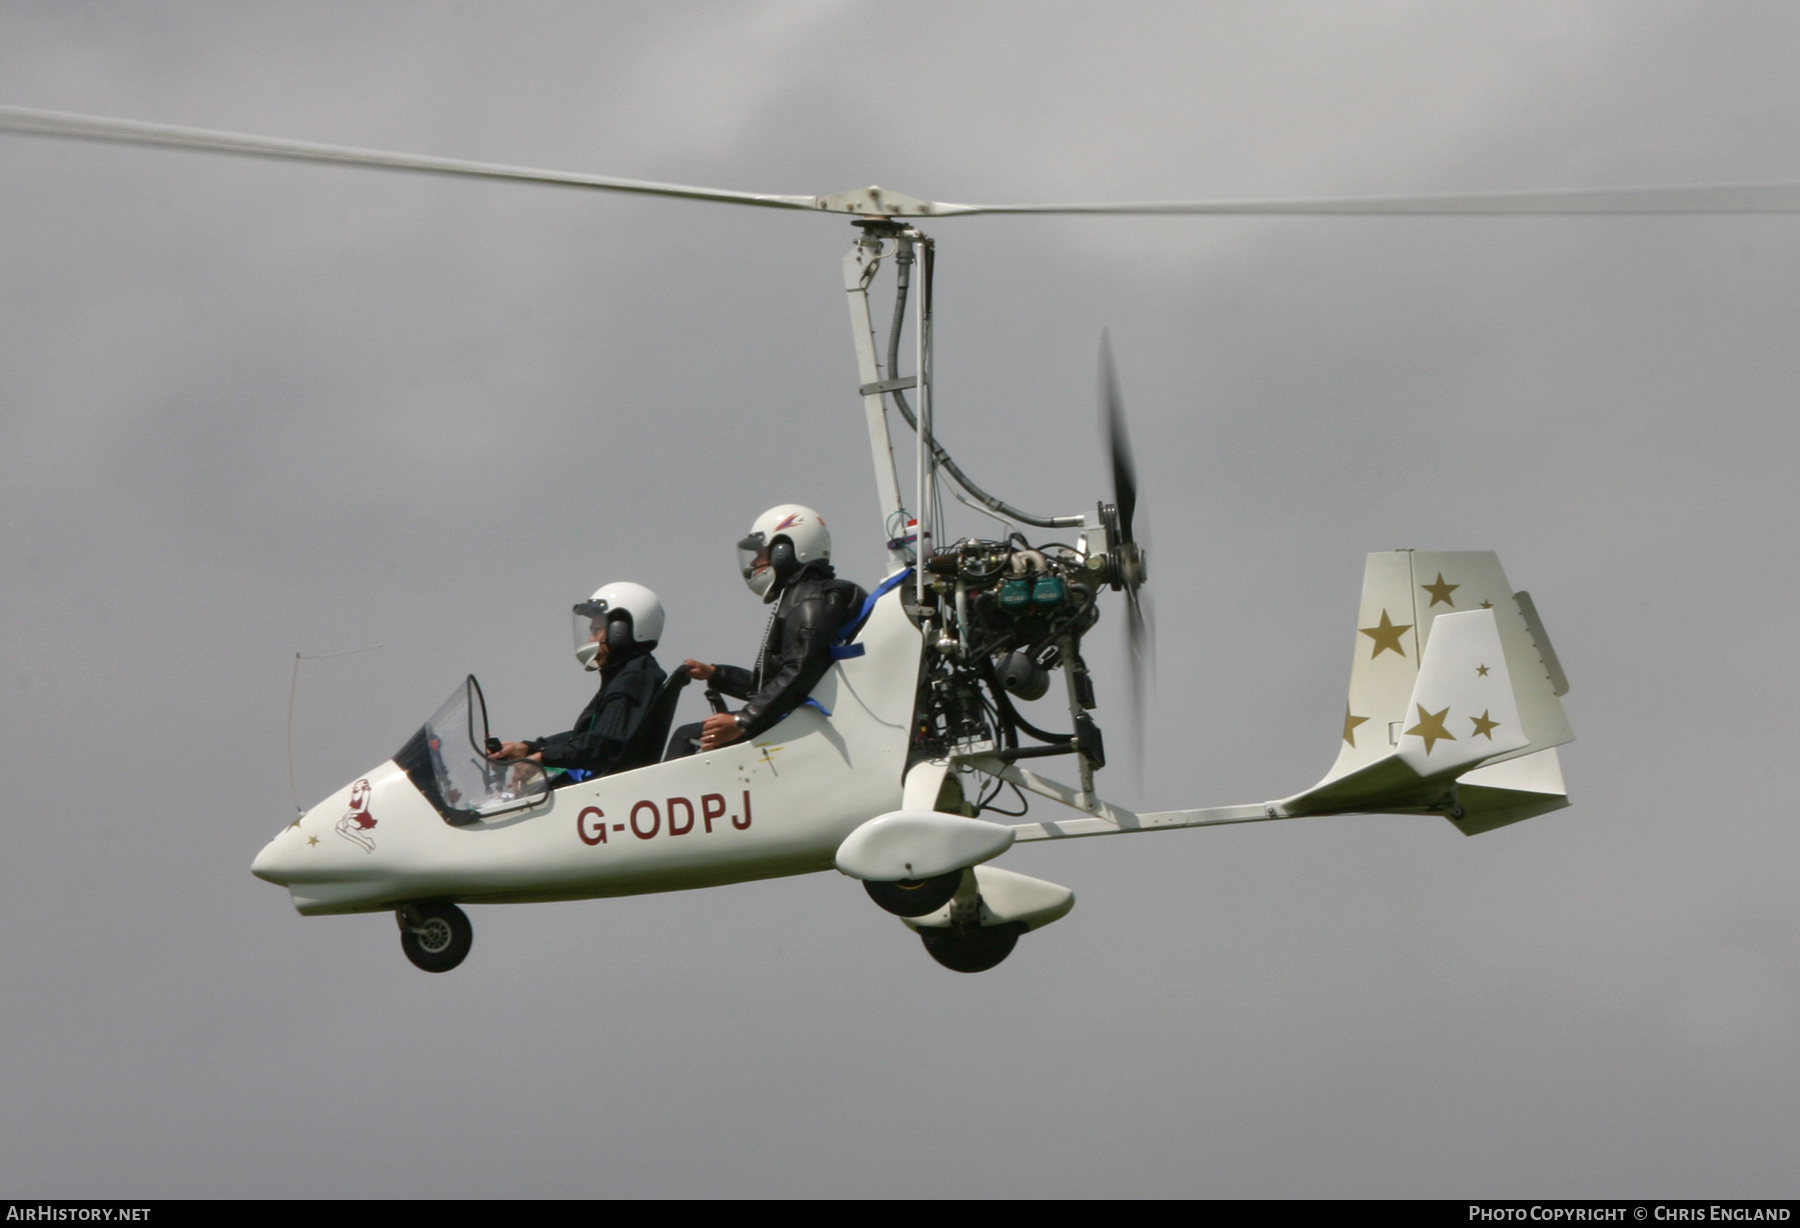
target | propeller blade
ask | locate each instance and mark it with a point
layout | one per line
(1128, 552)
(1140, 655)
(1118, 439)
(1140, 643)
(132, 132)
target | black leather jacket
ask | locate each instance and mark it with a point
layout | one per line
(627, 689)
(796, 651)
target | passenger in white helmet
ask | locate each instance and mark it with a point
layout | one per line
(615, 631)
(786, 559)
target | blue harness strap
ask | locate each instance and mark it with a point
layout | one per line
(842, 649)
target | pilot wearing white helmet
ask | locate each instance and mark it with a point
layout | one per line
(786, 559)
(615, 631)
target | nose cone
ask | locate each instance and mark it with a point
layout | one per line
(274, 863)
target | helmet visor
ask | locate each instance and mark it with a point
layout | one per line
(753, 563)
(590, 632)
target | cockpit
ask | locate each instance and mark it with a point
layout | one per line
(451, 758)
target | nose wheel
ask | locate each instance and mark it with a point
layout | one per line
(915, 897)
(435, 936)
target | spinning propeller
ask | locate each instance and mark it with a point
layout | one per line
(1128, 570)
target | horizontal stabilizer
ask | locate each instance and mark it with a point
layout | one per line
(1503, 793)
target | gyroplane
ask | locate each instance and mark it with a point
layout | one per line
(893, 773)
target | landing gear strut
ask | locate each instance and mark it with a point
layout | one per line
(435, 936)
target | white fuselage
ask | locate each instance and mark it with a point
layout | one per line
(779, 805)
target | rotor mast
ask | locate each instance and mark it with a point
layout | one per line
(860, 265)
(906, 533)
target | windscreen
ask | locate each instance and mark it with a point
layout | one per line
(448, 762)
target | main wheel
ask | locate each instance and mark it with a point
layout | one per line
(971, 950)
(912, 897)
(440, 938)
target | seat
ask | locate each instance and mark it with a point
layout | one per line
(646, 745)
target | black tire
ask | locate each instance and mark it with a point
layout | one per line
(915, 897)
(971, 950)
(440, 939)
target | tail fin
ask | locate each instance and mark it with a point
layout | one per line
(1441, 637)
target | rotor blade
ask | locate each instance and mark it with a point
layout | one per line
(55, 123)
(1118, 439)
(1701, 198)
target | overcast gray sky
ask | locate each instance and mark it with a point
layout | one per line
(250, 409)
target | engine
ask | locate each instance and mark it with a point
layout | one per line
(1002, 619)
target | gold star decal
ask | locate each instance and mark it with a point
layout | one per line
(1483, 726)
(1440, 592)
(1481, 670)
(312, 839)
(1487, 605)
(1350, 724)
(1386, 636)
(1431, 727)
(295, 823)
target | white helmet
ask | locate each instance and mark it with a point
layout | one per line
(782, 541)
(617, 615)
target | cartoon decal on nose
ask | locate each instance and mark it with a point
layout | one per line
(355, 824)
